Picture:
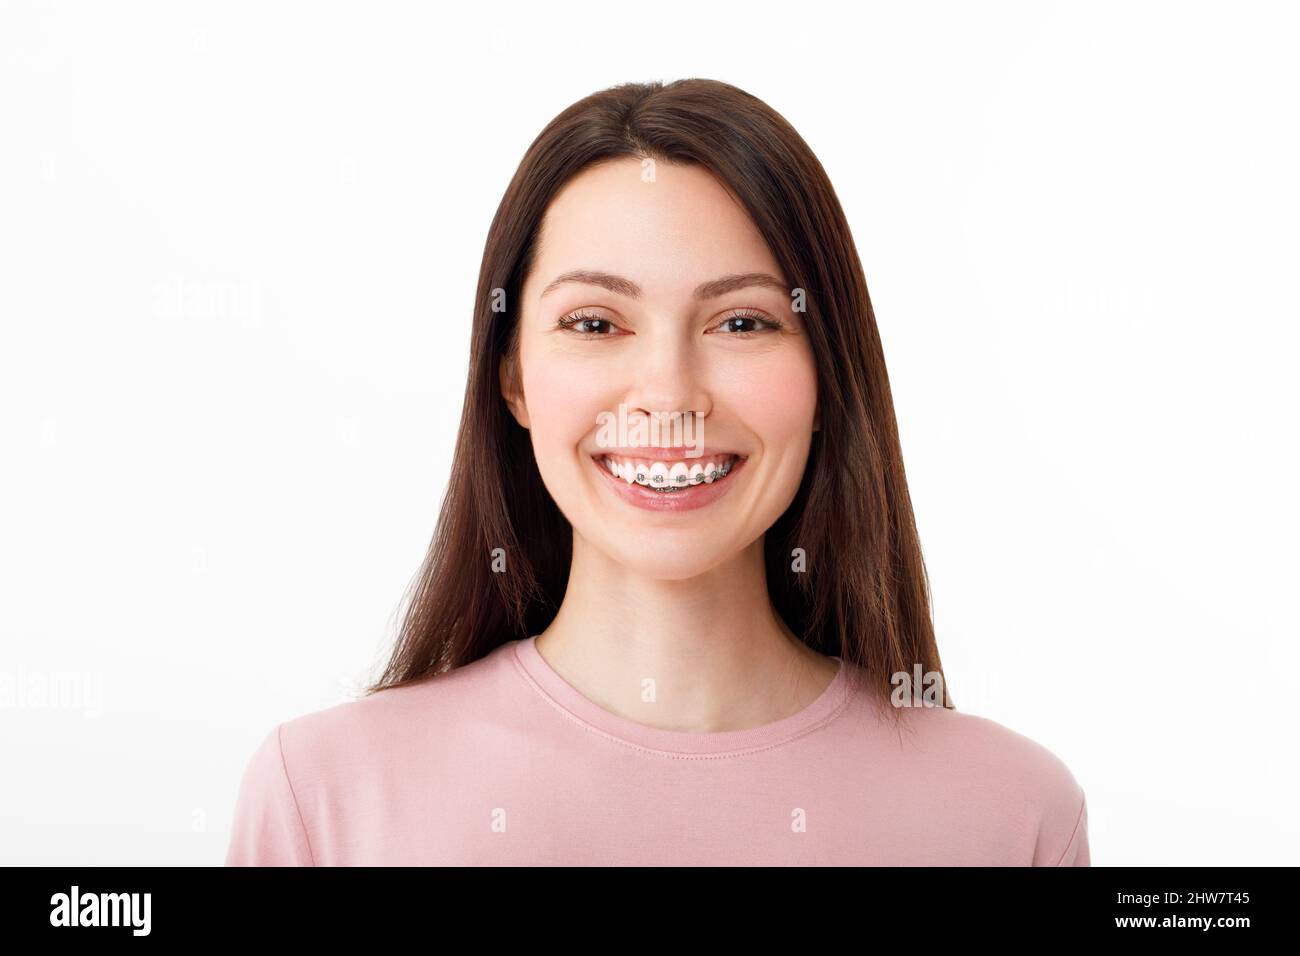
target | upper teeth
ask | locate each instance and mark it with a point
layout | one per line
(669, 476)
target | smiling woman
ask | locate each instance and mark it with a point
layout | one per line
(678, 651)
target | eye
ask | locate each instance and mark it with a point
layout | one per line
(586, 325)
(747, 323)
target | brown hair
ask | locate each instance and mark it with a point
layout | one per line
(865, 593)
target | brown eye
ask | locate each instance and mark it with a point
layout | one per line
(738, 324)
(589, 326)
(745, 324)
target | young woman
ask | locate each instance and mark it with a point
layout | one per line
(675, 609)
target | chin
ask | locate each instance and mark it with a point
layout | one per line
(658, 557)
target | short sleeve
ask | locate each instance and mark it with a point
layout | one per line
(268, 829)
(1076, 852)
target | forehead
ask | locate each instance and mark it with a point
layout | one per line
(668, 234)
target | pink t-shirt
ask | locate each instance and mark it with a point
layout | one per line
(502, 762)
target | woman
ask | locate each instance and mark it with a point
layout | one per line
(675, 609)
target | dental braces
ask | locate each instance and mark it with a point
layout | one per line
(683, 481)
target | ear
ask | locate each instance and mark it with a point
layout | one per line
(512, 391)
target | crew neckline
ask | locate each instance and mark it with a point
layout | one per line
(594, 717)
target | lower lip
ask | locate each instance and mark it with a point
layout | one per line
(687, 499)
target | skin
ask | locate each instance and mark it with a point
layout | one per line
(677, 597)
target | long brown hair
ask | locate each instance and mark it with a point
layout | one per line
(865, 592)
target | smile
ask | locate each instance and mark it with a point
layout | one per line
(669, 477)
(669, 485)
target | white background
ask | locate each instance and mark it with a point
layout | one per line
(238, 249)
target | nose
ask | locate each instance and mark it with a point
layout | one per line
(668, 378)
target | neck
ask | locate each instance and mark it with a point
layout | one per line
(703, 654)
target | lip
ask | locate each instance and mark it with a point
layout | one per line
(662, 453)
(687, 499)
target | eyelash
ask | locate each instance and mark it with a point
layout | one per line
(568, 322)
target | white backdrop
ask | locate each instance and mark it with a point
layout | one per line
(238, 250)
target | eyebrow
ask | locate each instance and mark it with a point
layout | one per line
(621, 285)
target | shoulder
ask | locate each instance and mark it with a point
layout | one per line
(990, 744)
(375, 730)
(1010, 774)
(314, 782)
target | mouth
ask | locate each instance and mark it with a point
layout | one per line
(672, 476)
(669, 485)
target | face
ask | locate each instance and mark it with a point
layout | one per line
(717, 376)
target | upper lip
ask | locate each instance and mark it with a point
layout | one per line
(660, 453)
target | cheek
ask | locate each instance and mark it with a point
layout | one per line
(562, 404)
(776, 398)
